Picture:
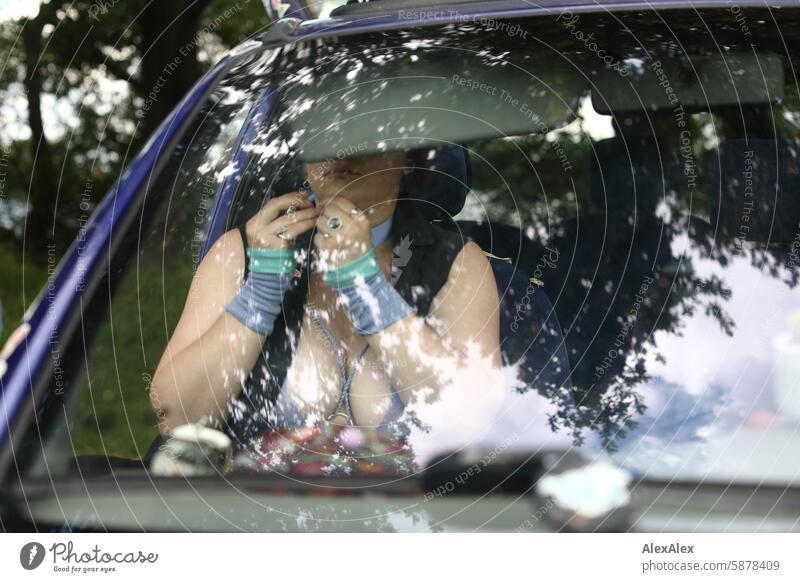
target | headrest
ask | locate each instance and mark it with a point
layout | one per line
(633, 171)
(439, 181)
(755, 190)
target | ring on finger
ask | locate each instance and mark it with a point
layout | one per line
(284, 236)
(291, 210)
(354, 211)
(334, 223)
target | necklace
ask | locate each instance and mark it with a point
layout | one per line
(379, 234)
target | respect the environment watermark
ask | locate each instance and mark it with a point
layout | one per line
(515, 102)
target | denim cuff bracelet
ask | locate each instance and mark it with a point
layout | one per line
(346, 275)
(370, 300)
(259, 302)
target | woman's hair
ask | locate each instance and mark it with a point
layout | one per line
(437, 181)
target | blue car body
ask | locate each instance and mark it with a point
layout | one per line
(55, 313)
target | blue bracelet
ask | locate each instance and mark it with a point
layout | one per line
(346, 275)
(277, 261)
(259, 302)
(373, 304)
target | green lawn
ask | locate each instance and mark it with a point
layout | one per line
(113, 415)
(14, 274)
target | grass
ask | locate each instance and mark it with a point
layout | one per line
(112, 415)
(15, 301)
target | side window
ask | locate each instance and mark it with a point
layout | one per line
(110, 412)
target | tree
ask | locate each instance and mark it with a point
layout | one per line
(120, 68)
(75, 80)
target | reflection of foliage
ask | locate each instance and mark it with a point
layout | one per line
(611, 239)
(536, 182)
(629, 216)
(113, 414)
(96, 62)
(618, 282)
(687, 413)
(99, 63)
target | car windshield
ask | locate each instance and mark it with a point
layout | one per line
(593, 221)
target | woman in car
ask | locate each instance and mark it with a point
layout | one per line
(280, 334)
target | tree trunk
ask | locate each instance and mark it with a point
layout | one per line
(42, 188)
(169, 64)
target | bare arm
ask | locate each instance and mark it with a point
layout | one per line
(210, 350)
(463, 349)
(211, 353)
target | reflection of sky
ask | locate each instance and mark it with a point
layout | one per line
(759, 305)
(520, 426)
(13, 9)
(703, 399)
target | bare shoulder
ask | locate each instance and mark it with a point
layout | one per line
(468, 301)
(218, 278)
(469, 273)
(470, 262)
(225, 257)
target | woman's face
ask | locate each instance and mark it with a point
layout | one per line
(365, 181)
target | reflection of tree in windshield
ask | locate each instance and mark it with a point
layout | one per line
(627, 217)
(627, 232)
(618, 280)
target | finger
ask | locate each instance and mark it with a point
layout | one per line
(282, 203)
(332, 210)
(325, 218)
(289, 219)
(298, 228)
(287, 236)
(343, 207)
(343, 204)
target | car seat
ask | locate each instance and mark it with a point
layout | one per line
(756, 191)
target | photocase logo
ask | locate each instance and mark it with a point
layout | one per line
(401, 255)
(31, 555)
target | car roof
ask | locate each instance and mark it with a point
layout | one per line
(380, 15)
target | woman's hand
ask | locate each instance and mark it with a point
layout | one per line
(352, 238)
(282, 220)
